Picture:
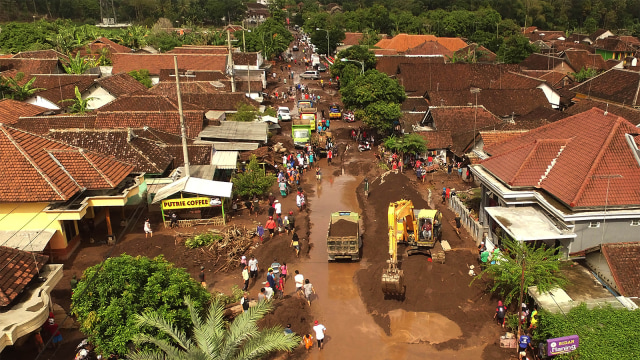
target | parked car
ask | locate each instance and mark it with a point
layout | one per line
(295, 48)
(310, 74)
(322, 68)
(284, 114)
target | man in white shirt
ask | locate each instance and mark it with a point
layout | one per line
(319, 329)
(299, 280)
(278, 206)
(253, 268)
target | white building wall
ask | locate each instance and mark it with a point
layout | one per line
(100, 97)
(42, 102)
(552, 96)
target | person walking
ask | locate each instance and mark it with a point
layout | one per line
(444, 194)
(308, 290)
(278, 206)
(501, 313)
(283, 188)
(523, 344)
(329, 156)
(307, 340)
(292, 221)
(284, 271)
(271, 279)
(147, 228)
(320, 330)
(271, 226)
(201, 277)
(295, 243)
(260, 232)
(280, 224)
(280, 288)
(244, 301)
(458, 221)
(245, 278)
(253, 268)
(52, 328)
(299, 280)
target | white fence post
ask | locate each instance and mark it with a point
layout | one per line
(473, 227)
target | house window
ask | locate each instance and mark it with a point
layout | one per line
(635, 222)
(594, 224)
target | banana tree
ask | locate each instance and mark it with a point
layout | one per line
(78, 64)
(19, 91)
(79, 105)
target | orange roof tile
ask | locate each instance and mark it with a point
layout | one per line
(17, 269)
(121, 84)
(496, 136)
(168, 121)
(615, 85)
(32, 66)
(12, 110)
(200, 49)
(40, 169)
(429, 48)
(156, 62)
(146, 102)
(403, 42)
(624, 262)
(352, 38)
(560, 159)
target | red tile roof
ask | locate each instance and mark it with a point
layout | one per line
(219, 101)
(481, 53)
(624, 263)
(42, 124)
(501, 102)
(419, 78)
(389, 64)
(156, 62)
(633, 115)
(32, 66)
(11, 110)
(403, 42)
(538, 61)
(40, 169)
(613, 44)
(145, 155)
(560, 159)
(615, 85)
(166, 75)
(17, 269)
(415, 103)
(554, 78)
(460, 120)
(146, 102)
(168, 121)
(121, 84)
(632, 40)
(352, 38)
(241, 58)
(60, 87)
(103, 42)
(582, 59)
(41, 54)
(493, 137)
(168, 88)
(429, 48)
(437, 139)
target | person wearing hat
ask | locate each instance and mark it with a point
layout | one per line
(52, 328)
(260, 232)
(319, 329)
(271, 226)
(501, 313)
(245, 278)
(278, 206)
(444, 194)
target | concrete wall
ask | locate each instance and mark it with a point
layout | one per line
(100, 97)
(30, 216)
(42, 102)
(614, 231)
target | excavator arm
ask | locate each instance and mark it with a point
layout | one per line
(393, 278)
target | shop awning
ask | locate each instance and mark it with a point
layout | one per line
(26, 240)
(225, 160)
(196, 186)
(527, 223)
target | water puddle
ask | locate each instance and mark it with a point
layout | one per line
(415, 327)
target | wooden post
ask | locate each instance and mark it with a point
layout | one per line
(107, 217)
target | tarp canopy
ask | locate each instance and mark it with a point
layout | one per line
(527, 223)
(26, 240)
(225, 159)
(195, 186)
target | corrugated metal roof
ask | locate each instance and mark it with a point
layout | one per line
(27, 240)
(231, 130)
(195, 186)
(232, 145)
(225, 159)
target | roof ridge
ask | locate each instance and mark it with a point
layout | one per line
(553, 163)
(31, 161)
(145, 156)
(596, 161)
(57, 161)
(536, 145)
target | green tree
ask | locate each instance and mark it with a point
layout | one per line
(358, 53)
(18, 91)
(78, 64)
(271, 37)
(541, 268)
(319, 39)
(253, 181)
(380, 115)
(409, 143)
(373, 87)
(213, 338)
(515, 49)
(79, 105)
(111, 294)
(584, 74)
(134, 37)
(142, 76)
(245, 113)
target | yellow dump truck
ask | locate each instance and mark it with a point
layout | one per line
(344, 238)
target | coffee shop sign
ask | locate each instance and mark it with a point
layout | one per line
(562, 345)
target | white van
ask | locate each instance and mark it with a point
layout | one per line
(284, 114)
(310, 74)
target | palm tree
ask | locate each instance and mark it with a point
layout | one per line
(21, 92)
(214, 338)
(80, 105)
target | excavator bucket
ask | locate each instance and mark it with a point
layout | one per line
(393, 283)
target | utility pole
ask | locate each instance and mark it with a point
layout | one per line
(475, 116)
(230, 62)
(183, 127)
(523, 246)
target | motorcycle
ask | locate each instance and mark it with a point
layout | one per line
(348, 117)
(364, 146)
(84, 351)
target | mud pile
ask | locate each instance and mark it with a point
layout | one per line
(430, 287)
(343, 228)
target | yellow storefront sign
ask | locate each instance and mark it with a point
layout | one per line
(186, 203)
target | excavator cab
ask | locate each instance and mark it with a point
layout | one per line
(402, 228)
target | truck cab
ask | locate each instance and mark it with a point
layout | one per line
(344, 237)
(300, 132)
(310, 115)
(334, 112)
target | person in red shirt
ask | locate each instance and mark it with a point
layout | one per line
(448, 193)
(52, 328)
(271, 226)
(329, 156)
(418, 163)
(430, 160)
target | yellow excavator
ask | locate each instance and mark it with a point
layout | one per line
(417, 228)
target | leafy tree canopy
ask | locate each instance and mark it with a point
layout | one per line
(373, 87)
(15, 88)
(319, 39)
(78, 104)
(142, 76)
(584, 74)
(78, 64)
(245, 113)
(111, 294)
(356, 52)
(253, 181)
(604, 332)
(409, 143)
(213, 338)
(515, 49)
(380, 115)
(541, 264)
(271, 37)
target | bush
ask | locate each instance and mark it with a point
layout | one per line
(200, 240)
